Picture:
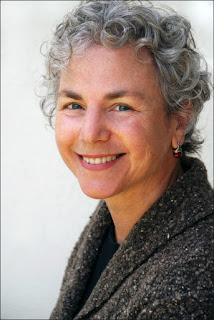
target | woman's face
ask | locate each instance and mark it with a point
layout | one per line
(111, 129)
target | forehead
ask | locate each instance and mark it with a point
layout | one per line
(106, 70)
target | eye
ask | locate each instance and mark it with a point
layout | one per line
(122, 107)
(74, 106)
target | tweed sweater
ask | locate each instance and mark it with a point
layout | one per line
(163, 269)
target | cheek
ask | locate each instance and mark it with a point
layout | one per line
(65, 132)
(137, 132)
(147, 135)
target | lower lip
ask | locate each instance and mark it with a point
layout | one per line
(101, 166)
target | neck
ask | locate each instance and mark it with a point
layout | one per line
(128, 207)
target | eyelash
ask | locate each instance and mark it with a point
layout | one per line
(79, 107)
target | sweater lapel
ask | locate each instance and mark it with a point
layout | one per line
(171, 215)
(81, 264)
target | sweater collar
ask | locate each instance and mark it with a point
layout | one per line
(180, 207)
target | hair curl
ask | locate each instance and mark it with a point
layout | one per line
(182, 71)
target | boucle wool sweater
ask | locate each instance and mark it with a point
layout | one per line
(163, 269)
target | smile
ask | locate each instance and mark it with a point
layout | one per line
(99, 162)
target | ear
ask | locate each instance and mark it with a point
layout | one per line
(182, 121)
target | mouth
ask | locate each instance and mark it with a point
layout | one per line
(99, 162)
(98, 159)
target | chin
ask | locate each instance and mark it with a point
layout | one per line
(100, 193)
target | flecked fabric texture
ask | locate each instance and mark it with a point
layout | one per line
(163, 269)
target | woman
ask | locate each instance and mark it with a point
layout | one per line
(127, 86)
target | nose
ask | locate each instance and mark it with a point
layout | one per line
(94, 127)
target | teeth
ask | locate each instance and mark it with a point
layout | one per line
(99, 160)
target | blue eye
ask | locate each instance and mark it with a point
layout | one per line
(122, 107)
(74, 106)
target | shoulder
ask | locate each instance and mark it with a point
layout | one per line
(89, 239)
(179, 276)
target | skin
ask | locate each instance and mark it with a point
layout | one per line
(109, 104)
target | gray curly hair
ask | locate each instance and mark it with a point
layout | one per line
(182, 72)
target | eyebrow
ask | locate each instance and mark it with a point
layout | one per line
(70, 94)
(108, 96)
(123, 93)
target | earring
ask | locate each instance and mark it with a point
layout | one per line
(177, 152)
